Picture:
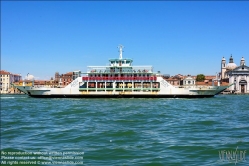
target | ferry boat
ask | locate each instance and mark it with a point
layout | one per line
(121, 80)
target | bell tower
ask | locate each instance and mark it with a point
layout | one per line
(223, 68)
(242, 61)
(231, 59)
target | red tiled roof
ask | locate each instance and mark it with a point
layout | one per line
(172, 79)
(210, 83)
(69, 73)
(209, 77)
(3, 72)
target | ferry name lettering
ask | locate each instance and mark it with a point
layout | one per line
(164, 83)
(74, 83)
(232, 156)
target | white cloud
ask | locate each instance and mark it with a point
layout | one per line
(30, 77)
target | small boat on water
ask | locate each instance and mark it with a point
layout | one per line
(121, 80)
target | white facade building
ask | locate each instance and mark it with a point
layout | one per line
(189, 81)
(6, 79)
(239, 75)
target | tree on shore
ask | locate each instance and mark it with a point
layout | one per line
(200, 77)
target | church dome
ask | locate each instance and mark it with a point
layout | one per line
(231, 66)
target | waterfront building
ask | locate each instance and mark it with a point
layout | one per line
(173, 81)
(238, 75)
(7, 78)
(189, 81)
(63, 79)
(210, 78)
(179, 80)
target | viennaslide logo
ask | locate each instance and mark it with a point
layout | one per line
(232, 156)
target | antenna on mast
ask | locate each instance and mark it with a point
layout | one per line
(120, 51)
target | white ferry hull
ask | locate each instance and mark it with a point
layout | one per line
(166, 91)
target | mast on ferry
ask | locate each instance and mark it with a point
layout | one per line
(120, 51)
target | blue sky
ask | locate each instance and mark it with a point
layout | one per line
(187, 37)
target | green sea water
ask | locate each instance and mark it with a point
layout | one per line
(125, 131)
